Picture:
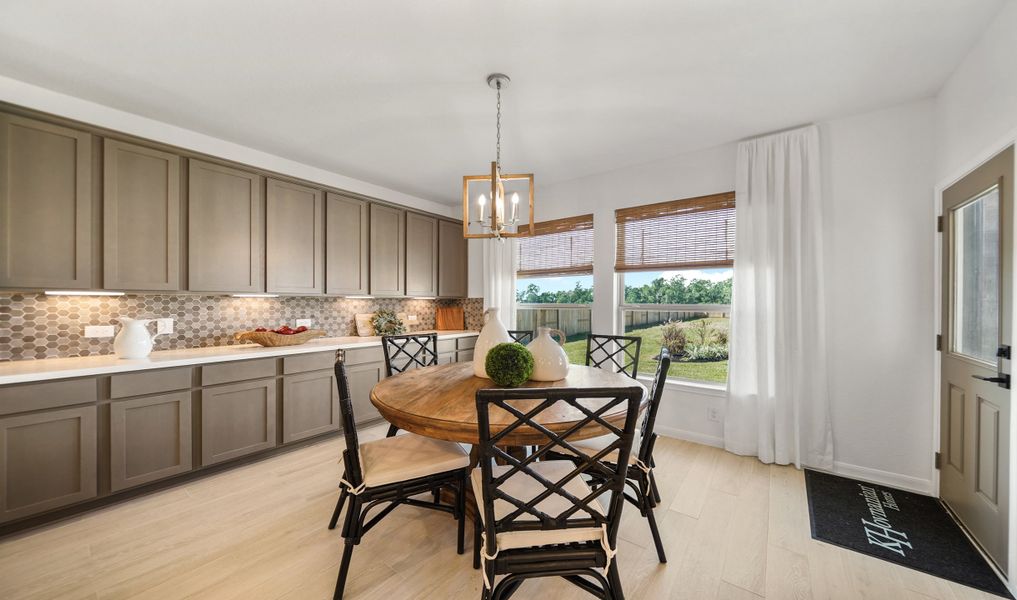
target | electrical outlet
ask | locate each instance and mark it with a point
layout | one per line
(98, 331)
(412, 319)
(713, 414)
(305, 322)
(163, 326)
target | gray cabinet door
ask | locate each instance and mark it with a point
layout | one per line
(362, 379)
(421, 255)
(150, 438)
(452, 261)
(346, 245)
(237, 419)
(141, 218)
(294, 230)
(225, 231)
(47, 460)
(388, 251)
(310, 405)
(45, 205)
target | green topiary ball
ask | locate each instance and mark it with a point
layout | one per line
(509, 365)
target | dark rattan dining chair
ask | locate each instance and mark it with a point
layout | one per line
(408, 351)
(389, 472)
(640, 476)
(551, 518)
(521, 336)
(620, 353)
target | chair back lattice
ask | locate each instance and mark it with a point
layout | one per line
(521, 336)
(620, 353)
(645, 450)
(351, 455)
(409, 351)
(554, 507)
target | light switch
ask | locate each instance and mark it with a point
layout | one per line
(163, 326)
(99, 331)
(411, 318)
(305, 322)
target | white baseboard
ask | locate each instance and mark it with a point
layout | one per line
(691, 436)
(904, 482)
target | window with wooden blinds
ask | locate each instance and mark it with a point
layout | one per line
(692, 233)
(559, 247)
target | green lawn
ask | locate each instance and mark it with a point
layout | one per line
(715, 371)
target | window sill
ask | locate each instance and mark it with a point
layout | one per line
(682, 385)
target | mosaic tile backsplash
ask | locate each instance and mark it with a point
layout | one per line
(34, 326)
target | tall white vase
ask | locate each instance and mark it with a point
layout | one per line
(491, 335)
(550, 363)
(134, 340)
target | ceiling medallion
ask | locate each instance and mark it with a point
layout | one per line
(491, 202)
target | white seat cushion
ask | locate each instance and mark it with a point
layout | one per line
(523, 487)
(594, 445)
(408, 456)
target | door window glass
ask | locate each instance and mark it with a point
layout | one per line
(976, 277)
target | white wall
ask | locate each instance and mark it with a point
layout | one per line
(877, 184)
(976, 110)
(48, 101)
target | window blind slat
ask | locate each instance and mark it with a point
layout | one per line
(558, 247)
(681, 234)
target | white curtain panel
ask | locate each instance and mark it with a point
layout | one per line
(501, 258)
(778, 399)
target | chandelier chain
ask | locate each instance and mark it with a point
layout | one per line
(497, 157)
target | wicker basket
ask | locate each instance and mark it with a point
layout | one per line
(270, 339)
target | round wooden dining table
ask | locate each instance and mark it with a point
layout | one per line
(440, 402)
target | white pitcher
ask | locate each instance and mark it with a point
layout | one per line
(550, 363)
(134, 339)
(491, 335)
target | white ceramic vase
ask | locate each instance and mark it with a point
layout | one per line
(491, 335)
(550, 363)
(134, 339)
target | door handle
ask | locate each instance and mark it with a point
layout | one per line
(1002, 380)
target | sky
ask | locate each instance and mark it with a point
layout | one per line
(637, 278)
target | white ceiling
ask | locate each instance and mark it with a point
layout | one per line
(393, 92)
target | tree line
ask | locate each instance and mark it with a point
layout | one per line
(676, 290)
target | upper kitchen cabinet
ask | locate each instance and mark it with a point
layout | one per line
(225, 229)
(141, 218)
(421, 255)
(388, 251)
(295, 254)
(452, 261)
(45, 205)
(346, 245)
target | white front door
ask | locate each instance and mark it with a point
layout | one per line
(975, 358)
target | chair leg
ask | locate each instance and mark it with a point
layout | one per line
(653, 488)
(436, 494)
(392, 430)
(614, 579)
(461, 513)
(344, 569)
(476, 543)
(338, 508)
(652, 520)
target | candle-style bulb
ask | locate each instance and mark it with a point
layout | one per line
(481, 201)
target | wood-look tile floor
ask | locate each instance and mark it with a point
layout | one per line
(733, 528)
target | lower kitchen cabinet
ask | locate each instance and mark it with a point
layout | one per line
(362, 378)
(47, 460)
(150, 438)
(310, 405)
(237, 419)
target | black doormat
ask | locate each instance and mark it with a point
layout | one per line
(901, 527)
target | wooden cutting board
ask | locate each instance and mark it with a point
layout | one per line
(450, 318)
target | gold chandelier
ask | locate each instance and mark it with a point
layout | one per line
(496, 197)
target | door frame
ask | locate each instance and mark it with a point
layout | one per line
(1010, 139)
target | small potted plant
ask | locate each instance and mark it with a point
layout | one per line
(509, 365)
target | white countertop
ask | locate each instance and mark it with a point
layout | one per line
(23, 371)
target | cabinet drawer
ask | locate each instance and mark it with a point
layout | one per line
(240, 370)
(149, 382)
(358, 356)
(466, 343)
(48, 459)
(308, 362)
(150, 439)
(446, 346)
(49, 394)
